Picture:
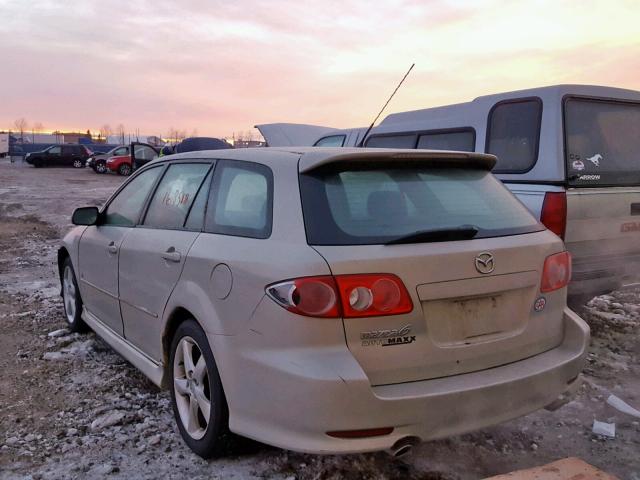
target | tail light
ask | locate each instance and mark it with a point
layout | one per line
(366, 295)
(556, 272)
(554, 212)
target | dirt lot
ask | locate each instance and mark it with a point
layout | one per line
(72, 408)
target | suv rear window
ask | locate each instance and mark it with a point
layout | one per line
(602, 142)
(513, 133)
(357, 205)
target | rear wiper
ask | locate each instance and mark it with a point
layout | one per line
(463, 232)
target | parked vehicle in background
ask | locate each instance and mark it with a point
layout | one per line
(193, 144)
(569, 152)
(60, 155)
(98, 161)
(140, 154)
(4, 145)
(402, 295)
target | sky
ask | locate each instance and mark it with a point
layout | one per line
(216, 67)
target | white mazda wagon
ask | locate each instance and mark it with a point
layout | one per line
(328, 300)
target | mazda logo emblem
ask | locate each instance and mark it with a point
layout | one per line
(485, 263)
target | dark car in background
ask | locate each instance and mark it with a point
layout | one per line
(98, 161)
(60, 155)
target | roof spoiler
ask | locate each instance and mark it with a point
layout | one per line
(312, 160)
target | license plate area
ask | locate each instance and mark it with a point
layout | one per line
(469, 320)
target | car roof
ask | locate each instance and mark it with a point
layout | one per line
(311, 158)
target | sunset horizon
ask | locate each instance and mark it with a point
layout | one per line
(218, 68)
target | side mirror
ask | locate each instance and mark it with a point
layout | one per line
(85, 216)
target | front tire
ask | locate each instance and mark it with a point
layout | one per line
(77, 163)
(199, 404)
(124, 169)
(100, 167)
(71, 298)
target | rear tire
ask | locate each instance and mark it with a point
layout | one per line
(71, 299)
(124, 169)
(199, 404)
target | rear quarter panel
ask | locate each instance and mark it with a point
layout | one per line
(225, 276)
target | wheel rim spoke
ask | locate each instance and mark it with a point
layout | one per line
(203, 403)
(200, 370)
(182, 386)
(193, 425)
(187, 357)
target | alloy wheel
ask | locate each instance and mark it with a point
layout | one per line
(191, 387)
(78, 163)
(69, 294)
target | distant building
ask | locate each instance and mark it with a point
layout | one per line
(75, 137)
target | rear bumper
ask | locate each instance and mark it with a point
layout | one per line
(292, 399)
(595, 276)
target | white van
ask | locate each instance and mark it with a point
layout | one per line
(571, 153)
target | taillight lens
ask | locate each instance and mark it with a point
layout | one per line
(328, 296)
(556, 272)
(310, 296)
(554, 212)
(373, 295)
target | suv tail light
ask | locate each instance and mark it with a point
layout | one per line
(366, 295)
(556, 272)
(554, 212)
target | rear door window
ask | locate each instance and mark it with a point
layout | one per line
(175, 194)
(602, 141)
(379, 203)
(195, 220)
(241, 200)
(513, 133)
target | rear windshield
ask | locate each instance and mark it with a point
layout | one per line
(356, 205)
(602, 142)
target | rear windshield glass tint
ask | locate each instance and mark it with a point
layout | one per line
(392, 141)
(461, 141)
(356, 206)
(602, 142)
(513, 134)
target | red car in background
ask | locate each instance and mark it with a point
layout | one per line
(141, 153)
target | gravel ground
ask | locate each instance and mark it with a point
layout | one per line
(72, 408)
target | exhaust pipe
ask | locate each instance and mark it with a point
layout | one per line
(403, 447)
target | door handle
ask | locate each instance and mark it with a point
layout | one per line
(172, 255)
(111, 248)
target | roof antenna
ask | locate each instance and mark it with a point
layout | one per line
(385, 105)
